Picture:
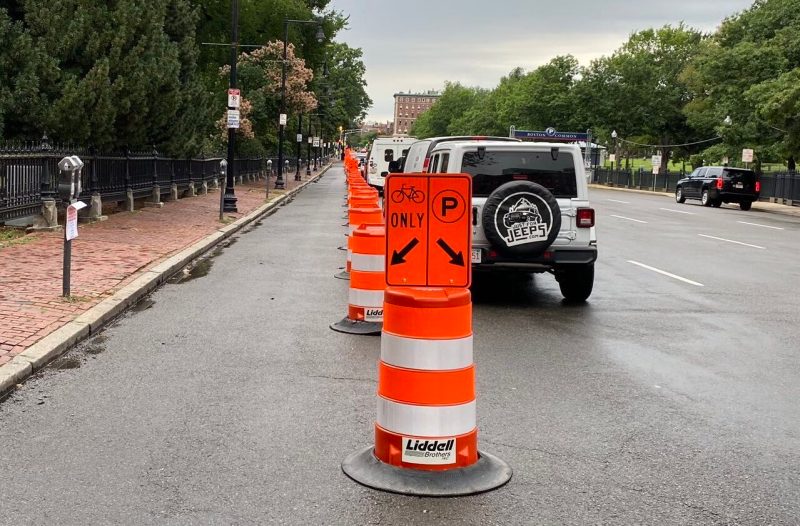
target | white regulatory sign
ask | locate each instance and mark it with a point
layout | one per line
(234, 98)
(656, 160)
(282, 119)
(233, 118)
(71, 230)
(747, 155)
(316, 142)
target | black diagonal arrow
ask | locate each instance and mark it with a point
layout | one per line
(455, 259)
(398, 257)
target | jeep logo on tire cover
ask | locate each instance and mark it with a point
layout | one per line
(523, 218)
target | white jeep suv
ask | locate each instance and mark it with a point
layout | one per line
(530, 209)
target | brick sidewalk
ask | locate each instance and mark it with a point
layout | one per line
(105, 257)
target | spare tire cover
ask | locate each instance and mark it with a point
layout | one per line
(521, 218)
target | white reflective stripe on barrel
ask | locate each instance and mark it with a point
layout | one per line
(426, 355)
(425, 420)
(368, 262)
(366, 298)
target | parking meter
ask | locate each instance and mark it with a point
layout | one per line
(269, 166)
(223, 171)
(69, 180)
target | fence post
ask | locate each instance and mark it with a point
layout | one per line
(49, 217)
(156, 195)
(173, 185)
(96, 203)
(129, 201)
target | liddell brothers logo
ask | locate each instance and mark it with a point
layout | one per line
(523, 223)
(431, 451)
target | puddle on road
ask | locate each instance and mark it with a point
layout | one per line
(97, 344)
(66, 362)
(143, 305)
(201, 267)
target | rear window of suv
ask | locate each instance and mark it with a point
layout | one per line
(493, 169)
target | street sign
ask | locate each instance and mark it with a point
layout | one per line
(233, 118)
(612, 157)
(428, 230)
(282, 119)
(299, 137)
(747, 155)
(71, 231)
(316, 142)
(656, 160)
(234, 98)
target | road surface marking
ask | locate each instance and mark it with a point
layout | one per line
(677, 211)
(629, 218)
(618, 201)
(762, 226)
(732, 241)
(665, 273)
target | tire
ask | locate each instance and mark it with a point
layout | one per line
(397, 196)
(521, 218)
(576, 282)
(679, 198)
(746, 205)
(717, 203)
(705, 199)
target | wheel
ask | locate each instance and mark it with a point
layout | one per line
(576, 281)
(417, 197)
(397, 196)
(746, 205)
(705, 199)
(717, 203)
(679, 198)
(521, 218)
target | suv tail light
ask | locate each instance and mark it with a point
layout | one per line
(585, 217)
(719, 183)
(758, 186)
(425, 164)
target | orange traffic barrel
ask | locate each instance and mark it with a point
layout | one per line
(367, 281)
(370, 215)
(426, 434)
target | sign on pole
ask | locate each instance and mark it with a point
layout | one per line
(71, 229)
(747, 155)
(656, 160)
(299, 137)
(234, 98)
(233, 118)
(316, 142)
(612, 157)
(282, 119)
(428, 230)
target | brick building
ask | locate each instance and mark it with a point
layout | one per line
(408, 107)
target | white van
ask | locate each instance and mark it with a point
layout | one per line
(384, 151)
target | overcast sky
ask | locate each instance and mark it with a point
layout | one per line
(417, 45)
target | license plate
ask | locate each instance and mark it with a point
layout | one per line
(476, 255)
(738, 185)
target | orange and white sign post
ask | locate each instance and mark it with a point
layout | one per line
(426, 434)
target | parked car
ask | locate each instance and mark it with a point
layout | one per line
(714, 185)
(418, 156)
(530, 208)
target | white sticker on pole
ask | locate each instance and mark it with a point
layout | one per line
(374, 315)
(233, 118)
(747, 155)
(429, 451)
(234, 98)
(72, 219)
(283, 119)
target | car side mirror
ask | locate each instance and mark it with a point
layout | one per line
(384, 174)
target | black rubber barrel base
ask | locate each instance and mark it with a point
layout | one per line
(488, 473)
(357, 326)
(342, 275)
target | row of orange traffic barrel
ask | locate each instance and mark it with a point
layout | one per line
(425, 430)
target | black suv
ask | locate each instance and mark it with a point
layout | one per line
(714, 185)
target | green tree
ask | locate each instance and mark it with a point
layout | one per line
(638, 90)
(748, 71)
(444, 117)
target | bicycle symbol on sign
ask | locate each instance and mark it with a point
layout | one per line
(408, 192)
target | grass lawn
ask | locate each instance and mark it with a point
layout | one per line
(647, 166)
(13, 236)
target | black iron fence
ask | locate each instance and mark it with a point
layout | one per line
(29, 173)
(782, 187)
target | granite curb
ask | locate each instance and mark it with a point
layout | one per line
(90, 322)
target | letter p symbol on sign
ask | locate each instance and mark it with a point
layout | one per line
(448, 203)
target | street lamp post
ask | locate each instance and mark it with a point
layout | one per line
(299, 146)
(279, 182)
(229, 201)
(616, 161)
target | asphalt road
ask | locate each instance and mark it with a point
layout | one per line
(226, 399)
